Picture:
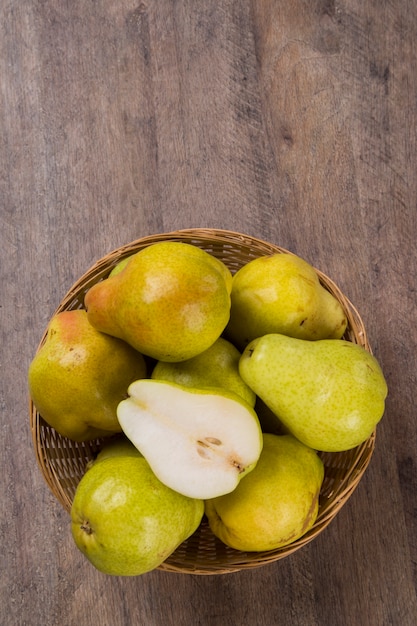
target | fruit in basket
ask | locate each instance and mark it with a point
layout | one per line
(329, 393)
(200, 442)
(276, 504)
(120, 266)
(281, 293)
(218, 366)
(118, 445)
(125, 521)
(171, 301)
(79, 375)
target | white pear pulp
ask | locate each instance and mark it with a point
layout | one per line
(199, 443)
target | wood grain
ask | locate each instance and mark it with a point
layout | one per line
(294, 122)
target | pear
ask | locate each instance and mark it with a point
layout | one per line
(218, 366)
(276, 504)
(119, 267)
(118, 445)
(329, 393)
(125, 521)
(171, 301)
(281, 293)
(200, 442)
(79, 375)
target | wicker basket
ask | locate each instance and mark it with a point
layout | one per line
(63, 461)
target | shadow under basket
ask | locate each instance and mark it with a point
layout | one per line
(63, 461)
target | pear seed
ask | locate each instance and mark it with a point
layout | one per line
(203, 453)
(214, 441)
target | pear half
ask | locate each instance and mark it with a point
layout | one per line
(201, 443)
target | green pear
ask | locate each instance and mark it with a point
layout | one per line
(120, 266)
(281, 293)
(125, 521)
(268, 420)
(118, 445)
(276, 504)
(200, 442)
(329, 393)
(79, 375)
(218, 366)
(170, 302)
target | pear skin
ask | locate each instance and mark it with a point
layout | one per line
(116, 445)
(120, 266)
(276, 504)
(125, 521)
(171, 301)
(218, 366)
(79, 375)
(329, 393)
(281, 293)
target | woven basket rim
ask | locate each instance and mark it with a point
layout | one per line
(50, 449)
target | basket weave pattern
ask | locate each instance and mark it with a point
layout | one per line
(63, 461)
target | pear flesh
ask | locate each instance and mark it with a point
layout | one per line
(200, 443)
(329, 393)
(170, 301)
(276, 504)
(282, 293)
(125, 521)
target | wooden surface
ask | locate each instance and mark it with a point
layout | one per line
(291, 121)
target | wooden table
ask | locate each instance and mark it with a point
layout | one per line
(291, 121)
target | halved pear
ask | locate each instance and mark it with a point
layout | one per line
(200, 443)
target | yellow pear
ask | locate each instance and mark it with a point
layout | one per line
(79, 376)
(274, 505)
(171, 301)
(281, 293)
